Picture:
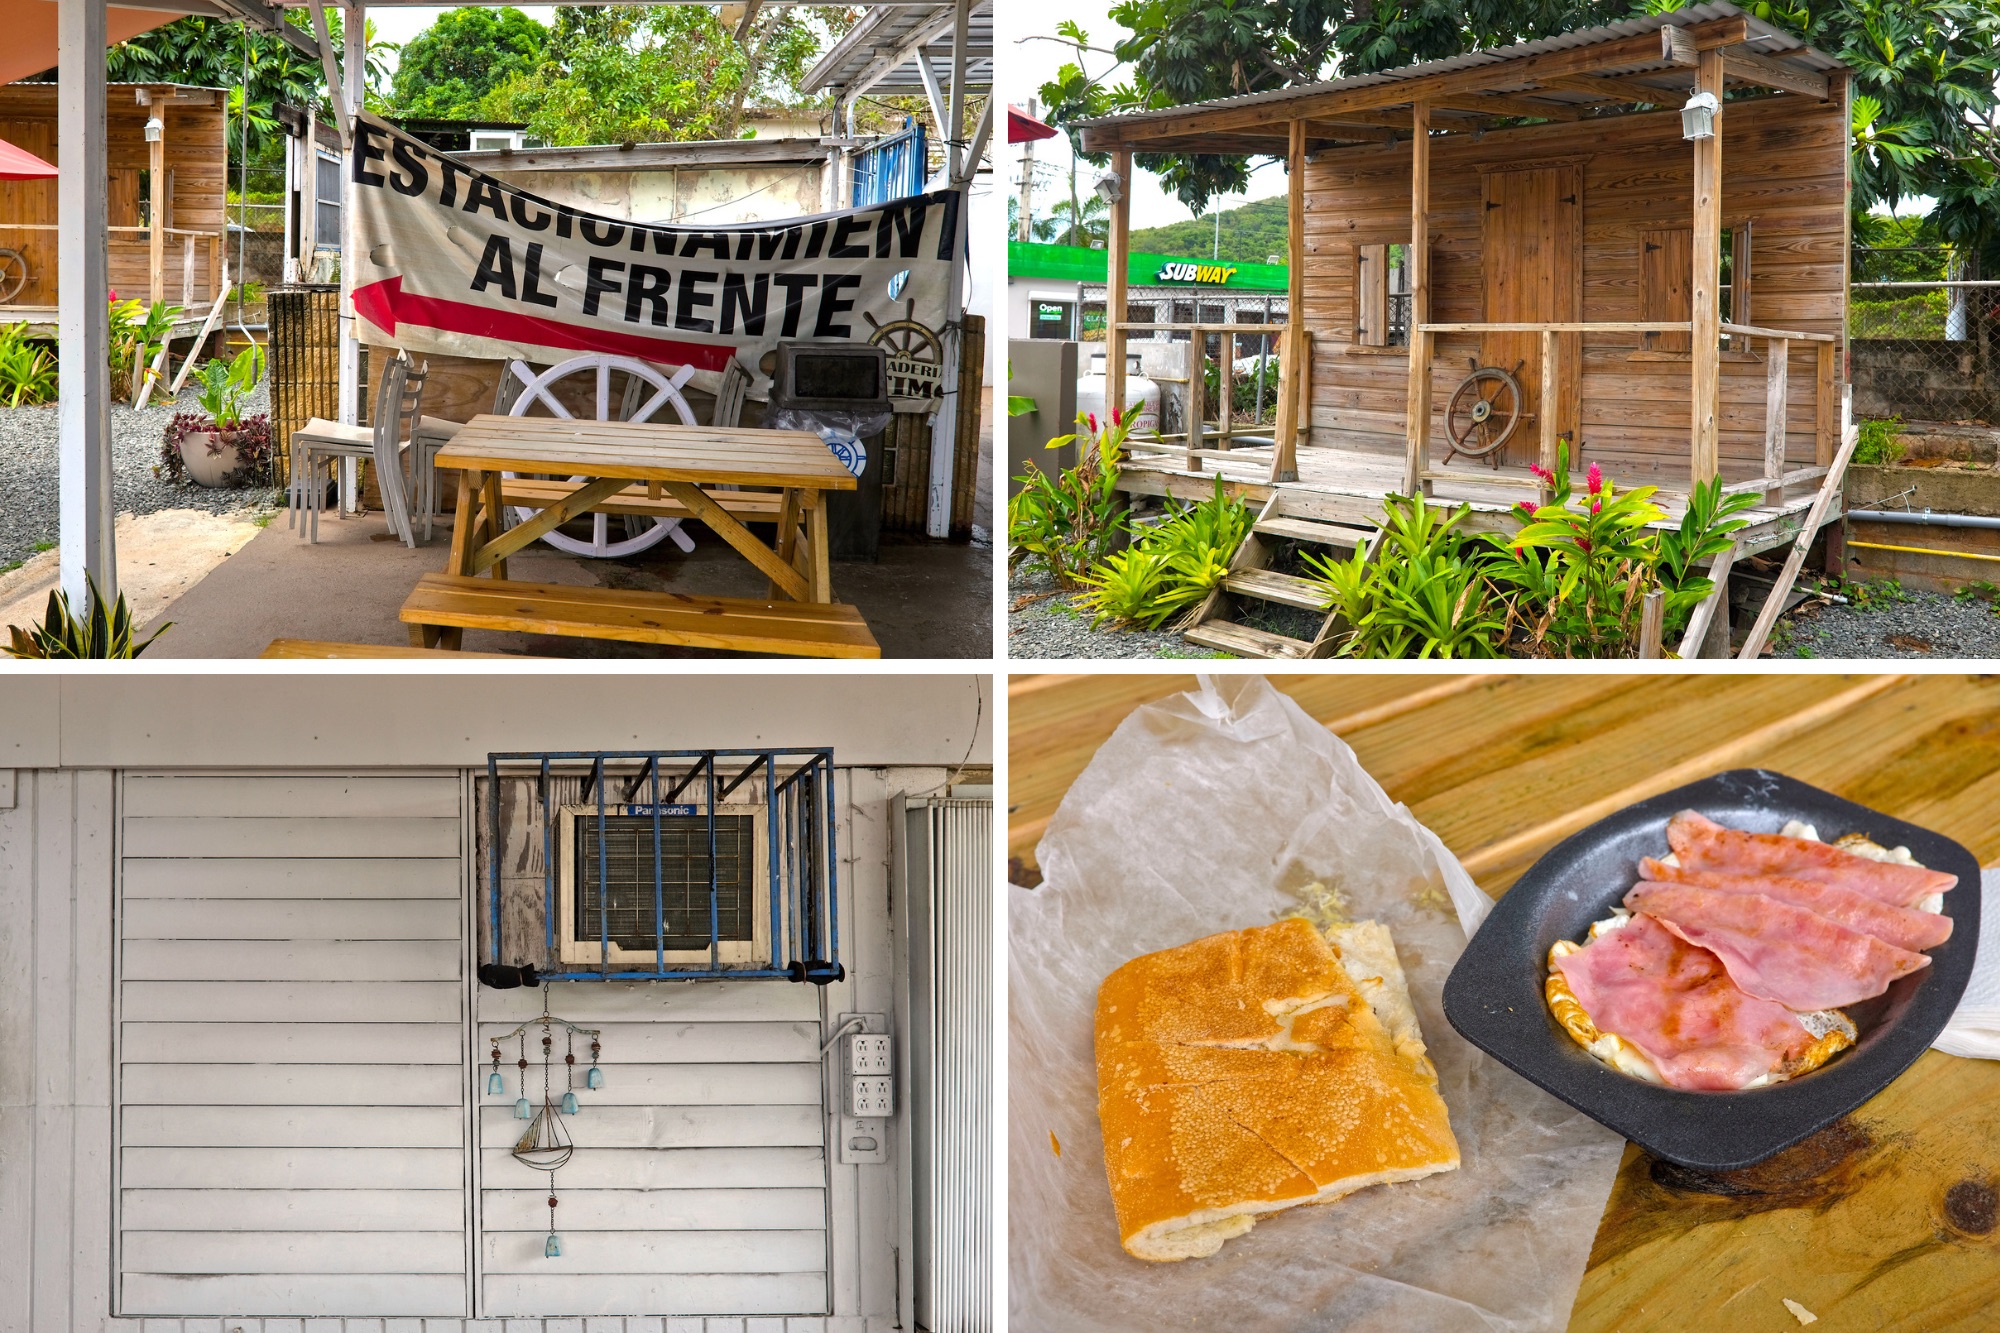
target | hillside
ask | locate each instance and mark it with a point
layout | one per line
(1250, 233)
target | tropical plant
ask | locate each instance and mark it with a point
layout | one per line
(1878, 443)
(252, 438)
(1071, 521)
(27, 369)
(100, 632)
(222, 387)
(1171, 566)
(1423, 596)
(137, 333)
(447, 70)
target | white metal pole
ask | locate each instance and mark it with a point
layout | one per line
(87, 506)
(354, 65)
(944, 427)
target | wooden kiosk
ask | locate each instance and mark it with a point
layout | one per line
(1672, 310)
(171, 249)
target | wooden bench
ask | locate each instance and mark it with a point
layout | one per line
(745, 506)
(449, 603)
(323, 648)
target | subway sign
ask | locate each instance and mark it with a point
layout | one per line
(1214, 275)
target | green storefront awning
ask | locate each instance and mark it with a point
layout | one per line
(1074, 263)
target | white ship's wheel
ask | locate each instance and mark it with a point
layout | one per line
(906, 337)
(640, 532)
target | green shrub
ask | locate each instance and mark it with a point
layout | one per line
(1423, 596)
(27, 369)
(1071, 521)
(1171, 566)
(1878, 443)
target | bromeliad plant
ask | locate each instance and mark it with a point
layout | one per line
(1576, 574)
(1071, 521)
(1424, 595)
(1171, 566)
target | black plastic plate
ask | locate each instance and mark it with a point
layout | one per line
(1494, 995)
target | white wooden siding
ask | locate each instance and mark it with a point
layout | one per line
(698, 1185)
(292, 1063)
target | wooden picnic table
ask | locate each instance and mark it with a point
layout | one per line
(1885, 1220)
(681, 461)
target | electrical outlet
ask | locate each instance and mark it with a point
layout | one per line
(869, 1054)
(870, 1096)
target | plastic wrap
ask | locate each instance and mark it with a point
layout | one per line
(1213, 811)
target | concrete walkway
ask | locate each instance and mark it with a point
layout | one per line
(160, 556)
(921, 599)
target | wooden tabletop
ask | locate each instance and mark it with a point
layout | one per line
(1884, 1221)
(647, 451)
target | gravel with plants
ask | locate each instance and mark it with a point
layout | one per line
(1052, 626)
(29, 473)
(1885, 621)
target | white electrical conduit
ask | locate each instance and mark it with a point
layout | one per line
(1927, 517)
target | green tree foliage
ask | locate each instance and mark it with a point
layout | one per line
(1250, 233)
(448, 69)
(633, 74)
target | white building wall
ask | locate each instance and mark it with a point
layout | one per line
(274, 904)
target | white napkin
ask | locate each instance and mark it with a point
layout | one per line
(1975, 1029)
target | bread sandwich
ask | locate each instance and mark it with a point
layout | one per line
(1255, 1071)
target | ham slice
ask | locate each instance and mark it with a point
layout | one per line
(1775, 950)
(1677, 1003)
(1904, 927)
(1700, 843)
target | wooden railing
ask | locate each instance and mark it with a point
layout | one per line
(1777, 345)
(189, 240)
(1194, 384)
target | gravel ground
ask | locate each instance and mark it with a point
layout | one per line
(1923, 625)
(29, 476)
(1053, 627)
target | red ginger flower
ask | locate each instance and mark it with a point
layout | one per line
(1542, 472)
(1596, 480)
(1596, 505)
(1093, 422)
(1583, 544)
(1114, 416)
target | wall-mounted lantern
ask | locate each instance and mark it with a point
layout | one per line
(1698, 116)
(1109, 188)
(155, 129)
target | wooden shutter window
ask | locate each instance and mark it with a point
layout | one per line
(1666, 271)
(1371, 284)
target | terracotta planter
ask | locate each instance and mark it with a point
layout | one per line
(209, 456)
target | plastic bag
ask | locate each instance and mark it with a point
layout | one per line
(1211, 811)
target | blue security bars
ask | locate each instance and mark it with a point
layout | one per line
(669, 864)
(894, 167)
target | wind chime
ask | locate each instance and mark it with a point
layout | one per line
(545, 1145)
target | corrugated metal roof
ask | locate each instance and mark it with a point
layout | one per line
(887, 29)
(1765, 40)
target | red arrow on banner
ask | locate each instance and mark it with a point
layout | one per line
(385, 305)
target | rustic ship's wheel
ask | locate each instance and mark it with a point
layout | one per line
(1484, 410)
(13, 274)
(906, 337)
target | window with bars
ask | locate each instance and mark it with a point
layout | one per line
(611, 896)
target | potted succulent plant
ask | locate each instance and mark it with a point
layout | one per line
(219, 445)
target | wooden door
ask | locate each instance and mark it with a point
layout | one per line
(1532, 255)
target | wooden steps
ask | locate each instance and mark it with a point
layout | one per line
(318, 649)
(745, 506)
(1247, 642)
(1251, 580)
(1285, 589)
(448, 603)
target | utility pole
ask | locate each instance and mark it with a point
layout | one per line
(1024, 225)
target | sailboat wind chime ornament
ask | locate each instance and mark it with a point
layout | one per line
(545, 1145)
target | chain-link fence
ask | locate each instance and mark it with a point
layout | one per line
(1924, 333)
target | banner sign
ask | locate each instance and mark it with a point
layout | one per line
(457, 262)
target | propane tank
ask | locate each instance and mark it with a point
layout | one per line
(1139, 390)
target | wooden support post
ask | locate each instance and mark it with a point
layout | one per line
(1547, 412)
(1292, 403)
(1418, 414)
(1754, 644)
(1225, 386)
(1707, 316)
(1705, 611)
(1197, 399)
(216, 280)
(1652, 621)
(1777, 366)
(187, 271)
(1116, 258)
(156, 234)
(1826, 411)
